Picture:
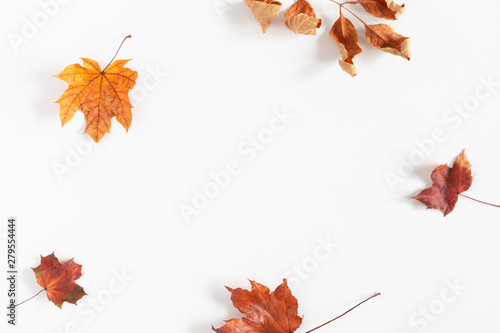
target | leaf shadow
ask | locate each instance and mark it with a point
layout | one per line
(327, 54)
(423, 173)
(239, 17)
(328, 51)
(46, 107)
(221, 296)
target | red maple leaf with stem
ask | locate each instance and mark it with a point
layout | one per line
(58, 280)
(268, 312)
(447, 184)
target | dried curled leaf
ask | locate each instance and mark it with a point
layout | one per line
(386, 9)
(447, 184)
(267, 312)
(59, 280)
(301, 19)
(264, 11)
(385, 39)
(345, 35)
(100, 94)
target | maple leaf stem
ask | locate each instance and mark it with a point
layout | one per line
(486, 203)
(354, 307)
(342, 6)
(38, 293)
(123, 41)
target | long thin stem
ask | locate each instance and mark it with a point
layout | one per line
(486, 203)
(31, 297)
(354, 307)
(342, 6)
(123, 41)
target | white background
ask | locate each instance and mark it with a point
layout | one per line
(323, 176)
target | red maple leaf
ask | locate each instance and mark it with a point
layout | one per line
(266, 312)
(59, 280)
(447, 184)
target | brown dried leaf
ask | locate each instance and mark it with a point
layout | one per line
(385, 39)
(301, 19)
(386, 9)
(264, 11)
(345, 35)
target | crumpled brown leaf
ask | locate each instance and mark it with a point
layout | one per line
(386, 9)
(264, 11)
(345, 35)
(385, 39)
(301, 19)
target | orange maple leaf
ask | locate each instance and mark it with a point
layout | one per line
(59, 280)
(274, 312)
(100, 94)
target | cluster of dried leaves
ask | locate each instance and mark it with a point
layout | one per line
(301, 19)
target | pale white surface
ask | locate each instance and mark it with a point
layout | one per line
(322, 176)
